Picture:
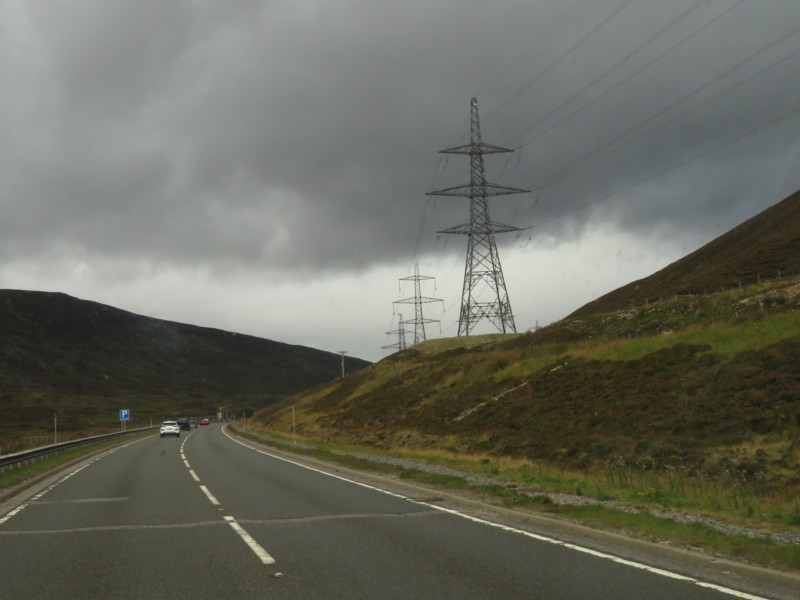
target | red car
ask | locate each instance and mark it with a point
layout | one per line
(203, 422)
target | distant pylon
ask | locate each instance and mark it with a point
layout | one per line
(418, 300)
(483, 262)
(401, 335)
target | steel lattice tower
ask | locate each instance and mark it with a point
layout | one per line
(482, 268)
(401, 335)
(418, 300)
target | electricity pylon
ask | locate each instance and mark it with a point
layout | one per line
(401, 335)
(418, 300)
(482, 268)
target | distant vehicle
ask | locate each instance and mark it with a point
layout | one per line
(184, 423)
(193, 422)
(203, 422)
(170, 428)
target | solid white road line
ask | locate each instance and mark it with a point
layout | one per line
(22, 506)
(262, 554)
(603, 555)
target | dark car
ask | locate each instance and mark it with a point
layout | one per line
(183, 423)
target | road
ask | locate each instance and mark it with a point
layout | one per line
(205, 516)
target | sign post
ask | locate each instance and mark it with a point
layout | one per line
(124, 417)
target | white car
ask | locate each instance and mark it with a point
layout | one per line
(170, 428)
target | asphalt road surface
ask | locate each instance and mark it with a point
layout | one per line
(204, 516)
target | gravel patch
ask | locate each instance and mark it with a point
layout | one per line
(780, 537)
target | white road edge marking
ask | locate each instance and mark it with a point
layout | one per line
(32, 499)
(259, 551)
(194, 475)
(603, 555)
(210, 496)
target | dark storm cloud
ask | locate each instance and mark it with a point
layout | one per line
(304, 134)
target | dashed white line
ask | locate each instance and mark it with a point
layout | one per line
(194, 475)
(259, 551)
(210, 496)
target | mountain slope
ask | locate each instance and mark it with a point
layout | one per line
(662, 383)
(57, 345)
(763, 247)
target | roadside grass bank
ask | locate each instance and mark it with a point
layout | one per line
(700, 514)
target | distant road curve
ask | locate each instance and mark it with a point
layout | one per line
(208, 516)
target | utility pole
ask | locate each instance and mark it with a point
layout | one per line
(401, 335)
(418, 300)
(482, 269)
(342, 352)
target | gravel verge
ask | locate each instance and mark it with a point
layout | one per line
(780, 537)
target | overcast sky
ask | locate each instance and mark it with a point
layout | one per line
(261, 166)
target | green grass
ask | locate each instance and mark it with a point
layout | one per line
(642, 490)
(725, 339)
(685, 404)
(762, 550)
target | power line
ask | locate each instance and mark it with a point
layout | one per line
(615, 66)
(677, 166)
(579, 164)
(561, 58)
(624, 81)
(535, 42)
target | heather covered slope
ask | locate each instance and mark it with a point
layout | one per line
(84, 359)
(766, 246)
(677, 373)
(722, 380)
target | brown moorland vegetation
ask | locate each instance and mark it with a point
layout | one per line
(84, 361)
(687, 376)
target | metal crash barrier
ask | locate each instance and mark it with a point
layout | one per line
(21, 459)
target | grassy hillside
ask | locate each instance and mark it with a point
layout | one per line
(763, 247)
(681, 390)
(85, 361)
(724, 371)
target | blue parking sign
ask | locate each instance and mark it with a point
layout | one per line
(124, 414)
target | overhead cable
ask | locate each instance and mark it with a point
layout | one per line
(561, 58)
(679, 165)
(583, 161)
(628, 78)
(615, 66)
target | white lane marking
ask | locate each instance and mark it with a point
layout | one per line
(51, 487)
(259, 551)
(730, 592)
(186, 463)
(84, 500)
(29, 532)
(210, 496)
(602, 555)
(194, 476)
